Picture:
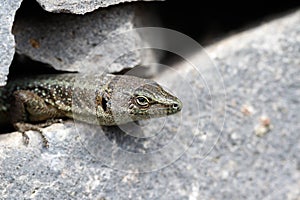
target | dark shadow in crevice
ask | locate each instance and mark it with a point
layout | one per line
(23, 66)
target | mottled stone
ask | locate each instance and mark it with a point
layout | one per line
(8, 9)
(78, 7)
(93, 42)
(259, 68)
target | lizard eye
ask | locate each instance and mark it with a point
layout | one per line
(142, 101)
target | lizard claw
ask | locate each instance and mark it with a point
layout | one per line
(23, 127)
(25, 138)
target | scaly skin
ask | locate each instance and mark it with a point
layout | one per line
(103, 100)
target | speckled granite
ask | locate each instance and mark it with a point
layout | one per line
(260, 70)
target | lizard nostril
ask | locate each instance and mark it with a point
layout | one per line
(175, 106)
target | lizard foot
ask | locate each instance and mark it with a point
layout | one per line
(23, 127)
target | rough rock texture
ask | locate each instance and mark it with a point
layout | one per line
(73, 6)
(7, 46)
(82, 43)
(260, 70)
(68, 41)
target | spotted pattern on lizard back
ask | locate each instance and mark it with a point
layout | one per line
(97, 99)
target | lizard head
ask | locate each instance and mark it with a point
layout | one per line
(151, 100)
(144, 99)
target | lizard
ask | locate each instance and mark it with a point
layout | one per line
(29, 103)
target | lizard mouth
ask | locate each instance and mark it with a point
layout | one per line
(156, 110)
(170, 109)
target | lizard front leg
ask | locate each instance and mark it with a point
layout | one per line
(27, 108)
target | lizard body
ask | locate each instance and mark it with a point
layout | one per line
(96, 99)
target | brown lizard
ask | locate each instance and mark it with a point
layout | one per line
(97, 99)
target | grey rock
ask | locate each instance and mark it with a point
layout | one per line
(259, 68)
(7, 45)
(93, 42)
(75, 7)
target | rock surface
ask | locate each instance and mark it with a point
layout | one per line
(75, 7)
(72, 42)
(260, 70)
(7, 45)
(82, 43)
